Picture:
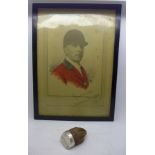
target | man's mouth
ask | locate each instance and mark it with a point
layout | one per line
(78, 55)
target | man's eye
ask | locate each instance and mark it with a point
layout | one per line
(75, 45)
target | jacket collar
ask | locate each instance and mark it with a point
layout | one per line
(68, 64)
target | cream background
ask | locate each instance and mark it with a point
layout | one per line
(106, 138)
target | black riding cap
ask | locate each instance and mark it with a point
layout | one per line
(74, 37)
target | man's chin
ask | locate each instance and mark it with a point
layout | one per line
(77, 61)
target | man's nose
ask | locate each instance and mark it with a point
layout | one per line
(78, 48)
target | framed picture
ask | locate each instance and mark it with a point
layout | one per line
(75, 56)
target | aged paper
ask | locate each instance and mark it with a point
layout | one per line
(57, 97)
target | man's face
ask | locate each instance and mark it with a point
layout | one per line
(74, 52)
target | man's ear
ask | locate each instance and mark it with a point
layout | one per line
(66, 50)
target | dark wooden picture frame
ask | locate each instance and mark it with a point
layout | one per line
(75, 6)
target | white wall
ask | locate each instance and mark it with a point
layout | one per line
(104, 138)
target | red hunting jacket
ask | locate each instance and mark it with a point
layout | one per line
(68, 73)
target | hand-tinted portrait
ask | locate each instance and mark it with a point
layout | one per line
(75, 61)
